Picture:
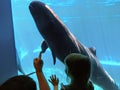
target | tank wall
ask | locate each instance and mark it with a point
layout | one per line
(8, 64)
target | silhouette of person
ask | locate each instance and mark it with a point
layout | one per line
(21, 82)
(78, 69)
(24, 82)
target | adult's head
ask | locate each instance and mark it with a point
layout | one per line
(21, 82)
(78, 67)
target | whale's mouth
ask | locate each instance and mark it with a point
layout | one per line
(37, 5)
(31, 7)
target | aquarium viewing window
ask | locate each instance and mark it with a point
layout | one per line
(95, 23)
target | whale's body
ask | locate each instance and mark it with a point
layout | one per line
(62, 42)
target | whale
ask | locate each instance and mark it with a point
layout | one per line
(58, 38)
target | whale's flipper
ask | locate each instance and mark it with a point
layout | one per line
(93, 50)
(44, 46)
(54, 57)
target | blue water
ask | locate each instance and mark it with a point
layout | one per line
(93, 22)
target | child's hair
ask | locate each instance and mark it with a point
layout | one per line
(21, 82)
(78, 66)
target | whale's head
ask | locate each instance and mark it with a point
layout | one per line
(42, 14)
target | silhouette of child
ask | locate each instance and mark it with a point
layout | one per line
(21, 82)
(78, 69)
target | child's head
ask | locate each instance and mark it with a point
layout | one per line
(21, 82)
(78, 66)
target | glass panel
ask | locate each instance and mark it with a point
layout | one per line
(95, 23)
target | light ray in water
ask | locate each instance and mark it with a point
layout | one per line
(22, 53)
(110, 62)
(38, 50)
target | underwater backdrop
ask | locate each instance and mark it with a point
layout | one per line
(95, 23)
